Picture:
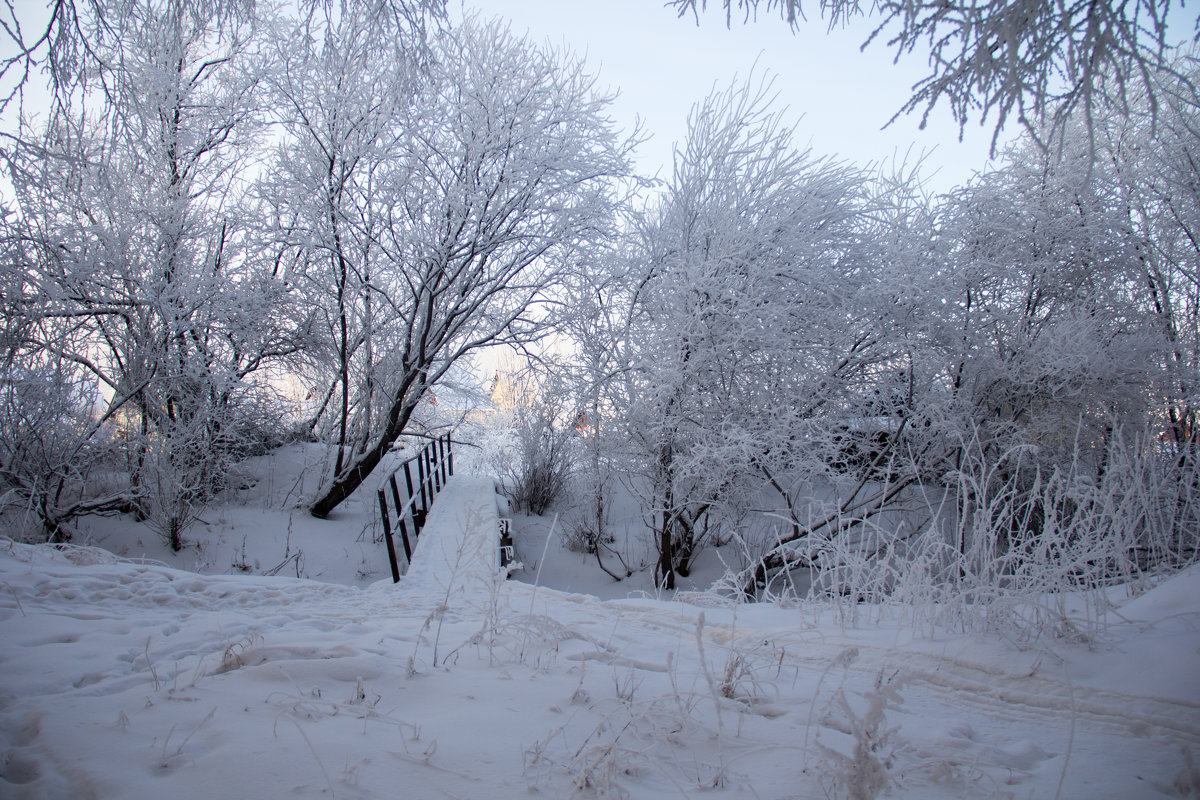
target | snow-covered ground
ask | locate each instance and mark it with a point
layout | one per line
(262, 528)
(128, 679)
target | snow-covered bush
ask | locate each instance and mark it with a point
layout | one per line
(535, 449)
(55, 461)
(997, 548)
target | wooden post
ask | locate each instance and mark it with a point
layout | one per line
(400, 518)
(423, 476)
(506, 542)
(444, 446)
(408, 478)
(449, 455)
(404, 537)
(506, 548)
(415, 514)
(387, 537)
(439, 459)
(431, 470)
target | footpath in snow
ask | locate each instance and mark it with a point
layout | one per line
(121, 679)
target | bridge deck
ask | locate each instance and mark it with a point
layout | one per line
(457, 551)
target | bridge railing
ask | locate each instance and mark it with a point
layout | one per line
(433, 465)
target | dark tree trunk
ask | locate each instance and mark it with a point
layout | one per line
(666, 550)
(666, 564)
(409, 394)
(345, 484)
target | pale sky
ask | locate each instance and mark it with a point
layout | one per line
(839, 97)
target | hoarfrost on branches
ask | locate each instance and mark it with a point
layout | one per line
(1028, 60)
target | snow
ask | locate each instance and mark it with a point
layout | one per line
(260, 528)
(123, 678)
(542, 548)
(457, 550)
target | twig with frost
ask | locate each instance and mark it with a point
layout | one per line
(311, 749)
(523, 628)
(314, 707)
(13, 591)
(844, 659)
(634, 735)
(150, 664)
(167, 758)
(863, 775)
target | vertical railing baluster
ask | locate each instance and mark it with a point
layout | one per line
(442, 459)
(404, 536)
(408, 478)
(435, 467)
(387, 536)
(400, 518)
(421, 478)
(431, 470)
(444, 447)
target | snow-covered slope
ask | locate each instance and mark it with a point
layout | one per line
(121, 679)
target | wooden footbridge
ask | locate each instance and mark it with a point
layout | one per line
(457, 543)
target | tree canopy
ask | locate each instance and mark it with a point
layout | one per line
(1026, 60)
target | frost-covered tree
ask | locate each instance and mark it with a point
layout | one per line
(65, 42)
(1031, 433)
(510, 164)
(1006, 349)
(1155, 188)
(743, 321)
(1050, 345)
(1028, 60)
(132, 262)
(340, 97)
(598, 378)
